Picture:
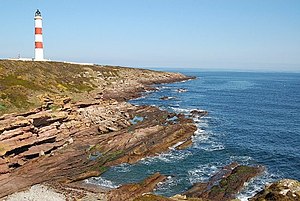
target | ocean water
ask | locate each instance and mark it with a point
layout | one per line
(254, 118)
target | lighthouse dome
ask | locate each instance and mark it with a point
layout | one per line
(38, 13)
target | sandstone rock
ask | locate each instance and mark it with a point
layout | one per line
(4, 168)
(129, 192)
(28, 136)
(85, 104)
(2, 161)
(38, 149)
(15, 132)
(17, 142)
(13, 124)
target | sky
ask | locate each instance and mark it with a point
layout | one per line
(207, 34)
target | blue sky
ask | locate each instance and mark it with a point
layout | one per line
(210, 34)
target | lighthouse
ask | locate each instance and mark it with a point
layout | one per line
(39, 51)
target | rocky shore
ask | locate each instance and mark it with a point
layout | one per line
(62, 123)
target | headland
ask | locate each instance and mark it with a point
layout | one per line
(62, 123)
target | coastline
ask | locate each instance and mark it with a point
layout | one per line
(50, 137)
(70, 138)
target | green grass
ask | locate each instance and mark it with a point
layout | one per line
(103, 169)
(2, 106)
(12, 80)
(23, 82)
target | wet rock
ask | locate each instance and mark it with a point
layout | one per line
(225, 184)
(283, 190)
(198, 113)
(181, 90)
(166, 98)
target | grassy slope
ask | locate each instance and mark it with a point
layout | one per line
(22, 82)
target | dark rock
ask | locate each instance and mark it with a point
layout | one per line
(85, 104)
(198, 113)
(283, 190)
(181, 90)
(225, 184)
(166, 98)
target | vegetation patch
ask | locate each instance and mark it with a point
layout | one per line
(12, 80)
(16, 96)
(103, 169)
(2, 106)
(21, 82)
(80, 87)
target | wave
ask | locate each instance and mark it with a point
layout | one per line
(169, 157)
(138, 98)
(244, 160)
(203, 172)
(257, 184)
(167, 185)
(180, 110)
(206, 140)
(102, 182)
(124, 167)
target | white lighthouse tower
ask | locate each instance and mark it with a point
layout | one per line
(39, 51)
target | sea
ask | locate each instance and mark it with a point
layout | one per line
(254, 119)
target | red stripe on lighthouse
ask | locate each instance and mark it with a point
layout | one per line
(38, 45)
(38, 30)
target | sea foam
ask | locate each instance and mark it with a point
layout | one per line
(102, 182)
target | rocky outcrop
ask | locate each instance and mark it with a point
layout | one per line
(75, 124)
(67, 145)
(225, 184)
(283, 190)
(27, 136)
(129, 192)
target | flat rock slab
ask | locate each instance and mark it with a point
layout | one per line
(93, 152)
